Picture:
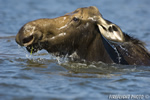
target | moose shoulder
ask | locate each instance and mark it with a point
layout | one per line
(83, 34)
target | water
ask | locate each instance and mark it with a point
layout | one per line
(41, 76)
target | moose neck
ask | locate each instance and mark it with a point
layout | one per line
(94, 51)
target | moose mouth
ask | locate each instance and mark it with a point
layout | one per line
(34, 48)
(31, 47)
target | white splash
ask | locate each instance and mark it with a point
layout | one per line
(119, 58)
(123, 48)
(74, 55)
(62, 59)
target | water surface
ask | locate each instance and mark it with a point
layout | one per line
(41, 76)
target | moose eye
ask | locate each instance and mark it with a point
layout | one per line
(75, 19)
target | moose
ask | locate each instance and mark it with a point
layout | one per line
(83, 35)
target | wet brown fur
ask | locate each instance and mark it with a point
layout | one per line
(78, 35)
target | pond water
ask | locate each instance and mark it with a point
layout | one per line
(42, 76)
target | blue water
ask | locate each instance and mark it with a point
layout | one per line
(42, 77)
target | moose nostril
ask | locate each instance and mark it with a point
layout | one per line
(27, 39)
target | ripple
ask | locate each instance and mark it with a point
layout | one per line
(42, 76)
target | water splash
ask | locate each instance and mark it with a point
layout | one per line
(61, 60)
(42, 57)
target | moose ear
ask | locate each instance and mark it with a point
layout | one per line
(109, 30)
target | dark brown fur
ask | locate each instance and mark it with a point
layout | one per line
(83, 35)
